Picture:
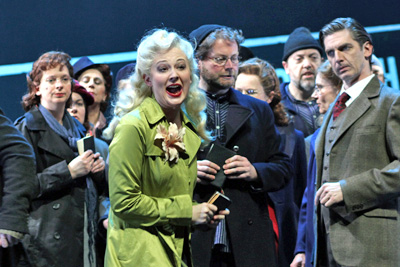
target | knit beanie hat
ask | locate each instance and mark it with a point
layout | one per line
(201, 33)
(299, 39)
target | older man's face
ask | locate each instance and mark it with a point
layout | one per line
(301, 66)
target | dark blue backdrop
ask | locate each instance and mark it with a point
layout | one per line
(30, 28)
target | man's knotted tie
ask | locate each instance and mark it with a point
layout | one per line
(340, 105)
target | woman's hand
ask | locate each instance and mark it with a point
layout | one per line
(98, 164)
(81, 165)
(204, 213)
(8, 240)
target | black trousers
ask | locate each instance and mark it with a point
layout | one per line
(221, 259)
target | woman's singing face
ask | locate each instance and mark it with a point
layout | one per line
(170, 78)
(54, 88)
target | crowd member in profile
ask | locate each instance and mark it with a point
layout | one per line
(153, 158)
(377, 68)
(258, 79)
(327, 87)
(302, 55)
(63, 220)
(18, 185)
(97, 79)
(81, 100)
(244, 125)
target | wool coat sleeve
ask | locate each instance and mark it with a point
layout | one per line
(18, 181)
(52, 171)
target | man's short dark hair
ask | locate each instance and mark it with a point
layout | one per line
(357, 31)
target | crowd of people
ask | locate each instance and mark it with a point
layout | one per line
(309, 170)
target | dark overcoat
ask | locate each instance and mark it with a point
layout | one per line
(250, 130)
(56, 222)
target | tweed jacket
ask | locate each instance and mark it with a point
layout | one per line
(364, 158)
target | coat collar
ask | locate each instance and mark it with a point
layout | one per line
(154, 115)
(48, 140)
(237, 113)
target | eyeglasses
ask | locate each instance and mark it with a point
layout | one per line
(63, 80)
(319, 87)
(221, 60)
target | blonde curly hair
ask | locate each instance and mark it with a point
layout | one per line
(133, 93)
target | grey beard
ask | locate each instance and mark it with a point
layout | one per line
(307, 86)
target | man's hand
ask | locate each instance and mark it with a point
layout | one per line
(239, 167)
(299, 260)
(8, 240)
(329, 194)
(206, 171)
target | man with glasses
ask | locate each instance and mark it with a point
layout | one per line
(302, 55)
(244, 125)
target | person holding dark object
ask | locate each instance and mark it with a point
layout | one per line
(153, 158)
(18, 186)
(302, 55)
(97, 79)
(245, 126)
(258, 79)
(81, 100)
(63, 220)
(357, 158)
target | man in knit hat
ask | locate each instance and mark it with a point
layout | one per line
(245, 126)
(302, 55)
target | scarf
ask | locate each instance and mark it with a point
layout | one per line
(71, 130)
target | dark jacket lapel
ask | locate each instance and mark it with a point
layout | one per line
(48, 140)
(237, 115)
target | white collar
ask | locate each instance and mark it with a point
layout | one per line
(355, 90)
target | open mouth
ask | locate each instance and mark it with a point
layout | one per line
(174, 90)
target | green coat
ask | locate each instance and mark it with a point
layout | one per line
(151, 200)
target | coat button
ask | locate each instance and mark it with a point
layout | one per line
(56, 236)
(56, 206)
(327, 153)
(250, 222)
(326, 167)
(236, 148)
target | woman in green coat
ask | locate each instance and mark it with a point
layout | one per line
(153, 164)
